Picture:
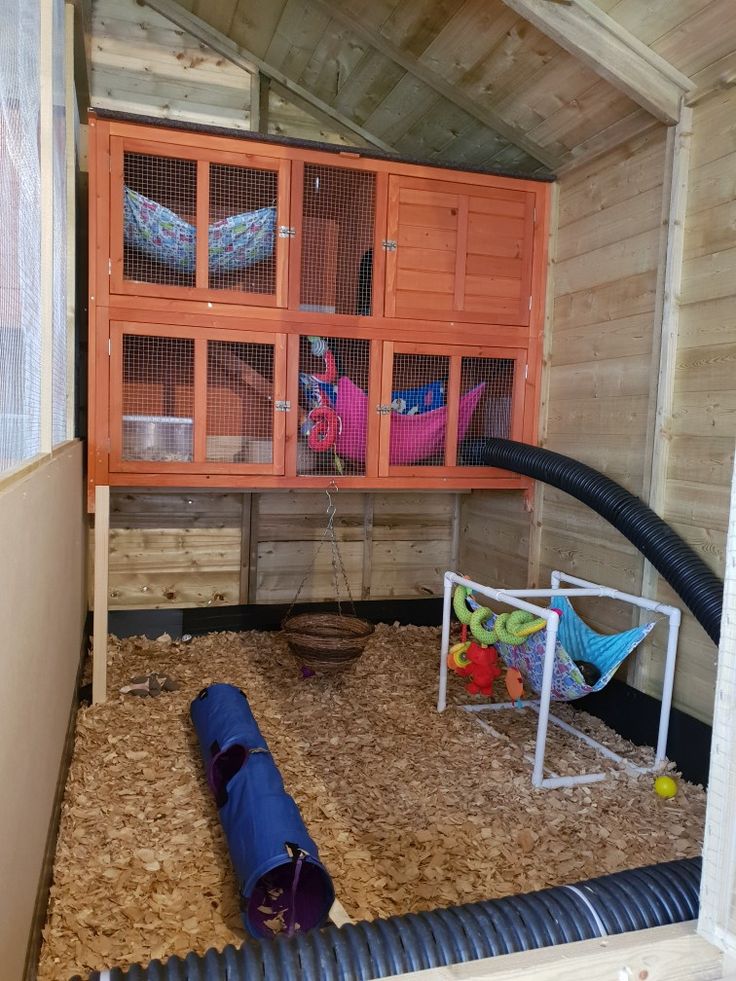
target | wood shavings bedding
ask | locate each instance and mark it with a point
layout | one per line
(410, 809)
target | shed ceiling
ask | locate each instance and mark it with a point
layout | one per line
(470, 82)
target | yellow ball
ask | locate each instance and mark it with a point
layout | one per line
(666, 787)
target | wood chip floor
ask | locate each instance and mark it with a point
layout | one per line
(411, 809)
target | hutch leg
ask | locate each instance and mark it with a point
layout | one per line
(101, 570)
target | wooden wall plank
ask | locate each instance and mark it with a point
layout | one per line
(209, 548)
(494, 539)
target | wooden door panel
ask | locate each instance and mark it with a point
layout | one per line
(464, 255)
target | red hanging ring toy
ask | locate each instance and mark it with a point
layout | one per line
(330, 373)
(325, 427)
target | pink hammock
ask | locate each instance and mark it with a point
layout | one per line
(412, 437)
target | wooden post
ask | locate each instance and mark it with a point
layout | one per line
(260, 89)
(253, 550)
(101, 575)
(245, 569)
(457, 518)
(365, 592)
(537, 506)
(717, 921)
(667, 312)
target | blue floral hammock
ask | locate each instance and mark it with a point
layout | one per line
(576, 641)
(234, 243)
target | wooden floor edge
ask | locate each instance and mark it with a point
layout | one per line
(671, 952)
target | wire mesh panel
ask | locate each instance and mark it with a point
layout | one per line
(60, 326)
(337, 240)
(333, 405)
(486, 387)
(158, 398)
(242, 230)
(159, 219)
(418, 421)
(240, 402)
(20, 242)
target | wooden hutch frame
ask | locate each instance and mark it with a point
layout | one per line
(505, 328)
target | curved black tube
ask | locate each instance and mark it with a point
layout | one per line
(699, 588)
(632, 900)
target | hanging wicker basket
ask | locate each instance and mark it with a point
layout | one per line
(326, 641)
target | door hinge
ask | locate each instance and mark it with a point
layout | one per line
(383, 410)
(389, 245)
(109, 347)
(526, 371)
(109, 267)
(286, 232)
(282, 405)
(530, 301)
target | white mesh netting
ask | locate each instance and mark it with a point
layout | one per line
(21, 228)
(60, 327)
(20, 233)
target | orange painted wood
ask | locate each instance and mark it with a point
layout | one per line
(387, 381)
(490, 479)
(199, 414)
(453, 410)
(279, 394)
(483, 279)
(292, 394)
(283, 245)
(202, 273)
(297, 202)
(373, 434)
(471, 252)
(379, 253)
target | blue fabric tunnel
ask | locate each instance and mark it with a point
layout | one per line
(284, 888)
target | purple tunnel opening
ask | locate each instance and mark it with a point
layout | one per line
(278, 906)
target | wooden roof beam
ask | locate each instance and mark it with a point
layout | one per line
(586, 31)
(415, 67)
(251, 63)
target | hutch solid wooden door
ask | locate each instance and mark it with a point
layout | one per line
(458, 251)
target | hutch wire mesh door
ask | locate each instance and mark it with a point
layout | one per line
(187, 400)
(334, 386)
(336, 239)
(439, 403)
(191, 223)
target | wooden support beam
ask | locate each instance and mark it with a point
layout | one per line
(250, 62)
(365, 592)
(82, 53)
(718, 883)
(666, 319)
(101, 576)
(415, 67)
(586, 31)
(260, 89)
(537, 497)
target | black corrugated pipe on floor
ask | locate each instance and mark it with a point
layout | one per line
(634, 900)
(698, 587)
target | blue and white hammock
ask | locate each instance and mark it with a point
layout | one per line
(576, 641)
(234, 243)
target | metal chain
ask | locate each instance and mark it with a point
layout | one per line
(336, 558)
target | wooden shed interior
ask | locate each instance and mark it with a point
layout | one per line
(523, 210)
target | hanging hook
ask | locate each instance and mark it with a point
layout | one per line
(331, 508)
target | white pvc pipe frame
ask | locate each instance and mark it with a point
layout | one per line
(513, 597)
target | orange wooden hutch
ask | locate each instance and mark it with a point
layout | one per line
(237, 285)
